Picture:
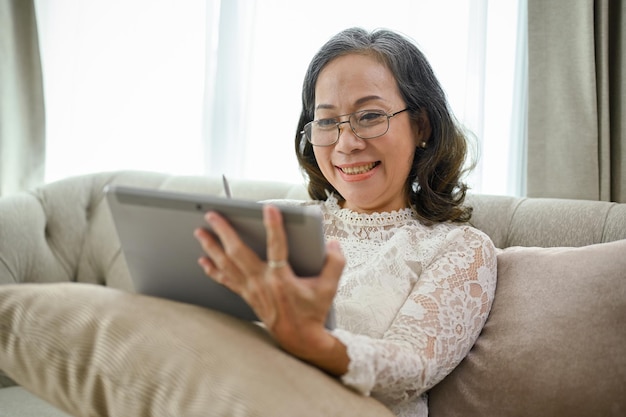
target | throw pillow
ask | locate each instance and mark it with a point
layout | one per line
(96, 351)
(554, 343)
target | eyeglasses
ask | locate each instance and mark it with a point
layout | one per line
(366, 124)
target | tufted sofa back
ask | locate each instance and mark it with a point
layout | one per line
(63, 231)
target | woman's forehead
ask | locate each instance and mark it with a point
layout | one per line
(354, 79)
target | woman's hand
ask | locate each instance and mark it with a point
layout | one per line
(293, 309)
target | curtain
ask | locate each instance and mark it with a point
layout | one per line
(123, 84)
(22, 133)
(226, 91)
(576, 130)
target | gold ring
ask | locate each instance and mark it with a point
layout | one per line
(276, 264)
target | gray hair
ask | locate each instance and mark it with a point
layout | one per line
(434, 188)
(416, 80)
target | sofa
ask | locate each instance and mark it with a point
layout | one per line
(75, 340)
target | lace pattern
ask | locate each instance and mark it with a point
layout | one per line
(411, 302)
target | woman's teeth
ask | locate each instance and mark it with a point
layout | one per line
(359, 169)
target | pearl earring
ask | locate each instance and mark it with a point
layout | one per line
(423, 144)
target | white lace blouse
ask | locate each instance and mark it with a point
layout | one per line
(411, 301)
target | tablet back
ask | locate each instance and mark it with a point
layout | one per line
(155, 229)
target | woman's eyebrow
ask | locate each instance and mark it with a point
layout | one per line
(366, 99)
(359, 102)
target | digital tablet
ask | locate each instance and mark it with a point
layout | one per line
(155, 230)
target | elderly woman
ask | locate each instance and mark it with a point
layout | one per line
(410, 282)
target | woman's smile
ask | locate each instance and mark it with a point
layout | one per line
(358, 169)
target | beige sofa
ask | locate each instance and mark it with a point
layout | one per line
(554, 344)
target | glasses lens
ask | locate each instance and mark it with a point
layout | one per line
(369, 124)
(366, 124)
(322, 132)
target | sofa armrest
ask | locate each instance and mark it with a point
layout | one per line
(26, 253)
(63, 232)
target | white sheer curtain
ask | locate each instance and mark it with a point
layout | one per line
(212, 87)
(123, 84)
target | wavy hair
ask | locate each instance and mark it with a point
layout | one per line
(434, 187)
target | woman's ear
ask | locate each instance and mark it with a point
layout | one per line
(421, 128)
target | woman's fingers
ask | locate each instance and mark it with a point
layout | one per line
(232, 250)
(214, 264)
(225, 253)
(288, 305)
(277, 252)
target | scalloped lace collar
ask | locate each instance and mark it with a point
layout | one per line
(393, 218)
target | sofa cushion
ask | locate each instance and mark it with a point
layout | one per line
(97, 351)
(554, 343)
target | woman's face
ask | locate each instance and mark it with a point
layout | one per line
(370, 174)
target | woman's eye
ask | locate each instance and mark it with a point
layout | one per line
(371, 117)
(326, 123)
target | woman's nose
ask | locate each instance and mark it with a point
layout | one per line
(348, 142)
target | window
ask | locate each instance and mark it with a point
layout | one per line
(185, 87)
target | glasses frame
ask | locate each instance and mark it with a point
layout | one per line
(349, 121)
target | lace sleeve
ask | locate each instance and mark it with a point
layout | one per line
(435, 327)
